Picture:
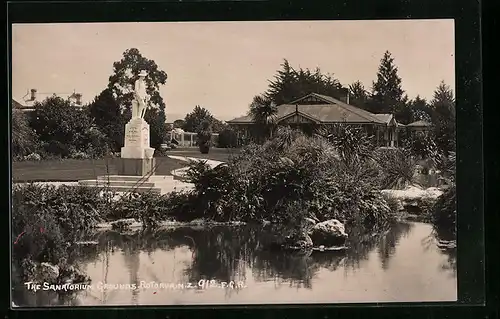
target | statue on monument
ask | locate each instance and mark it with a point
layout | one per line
(141, 98)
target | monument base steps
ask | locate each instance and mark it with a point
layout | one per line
(160, 184)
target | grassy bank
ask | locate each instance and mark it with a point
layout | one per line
(79, 169)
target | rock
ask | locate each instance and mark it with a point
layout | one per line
(413, 192)
(328, 233)
(122, 223)
(47, 273)
(301, 241)
(413, 199)
(86, 243)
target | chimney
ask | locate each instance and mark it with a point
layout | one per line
(33, 95)
(78, 98)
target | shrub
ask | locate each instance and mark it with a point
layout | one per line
(447, 165)
(227, 139)
(262, 181)
(66, 129)
(32, 157)
(49, 220)
(397, 167)
(205, 137)
(79, 155)
(160, 152)
(444, 214)
(24, 139)
(352, 143)
(56, 148)
(204, 147)
(422, 146)
(146, 207)
(75, 208)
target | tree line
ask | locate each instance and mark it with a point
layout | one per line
(386, 96)
(58, 129)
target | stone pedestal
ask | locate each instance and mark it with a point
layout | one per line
(136, 166)
(136, 155)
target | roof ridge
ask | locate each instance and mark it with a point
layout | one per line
(306, 115)
(305, 96)
(343, 105)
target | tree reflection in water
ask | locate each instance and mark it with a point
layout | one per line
(223, 253)
(226, 253)
(451, 253)
(388, 243)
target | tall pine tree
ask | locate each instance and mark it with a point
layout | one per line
(358, 95)
(290, 84)
(443, 118)
(387, 94)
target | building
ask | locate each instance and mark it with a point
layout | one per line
(316, 110)
(419, 127)
(28, 101)
(187, 139)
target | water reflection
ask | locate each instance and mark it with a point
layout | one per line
(373, 269)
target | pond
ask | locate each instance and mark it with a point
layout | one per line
(402, 265)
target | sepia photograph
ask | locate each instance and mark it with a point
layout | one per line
(233, 163)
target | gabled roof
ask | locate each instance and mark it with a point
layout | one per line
(367, 116)
(16, 104)
(300, 113)
(241, 120)
(332, 111)
(20, 106)
(27, 103)
(419, 124)
(386, 118)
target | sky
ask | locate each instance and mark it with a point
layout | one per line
(222, 65)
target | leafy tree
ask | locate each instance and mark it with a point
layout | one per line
(227, 138)
(23, 137)
(420, 110)
(65, 129)
(443, 118)
(105, 111)
(387, 94)
(179, 123)
(193, 120)
(358, 95)
(290, 84)
(121, 83)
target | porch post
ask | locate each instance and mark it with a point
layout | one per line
(392, 135)
(191, 140)
(396, 137)
(182, 139)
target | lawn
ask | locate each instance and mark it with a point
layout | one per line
(74, 170)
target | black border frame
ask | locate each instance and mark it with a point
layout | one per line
(470, 178)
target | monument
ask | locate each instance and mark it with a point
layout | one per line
(136, 165)
(136, 154)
